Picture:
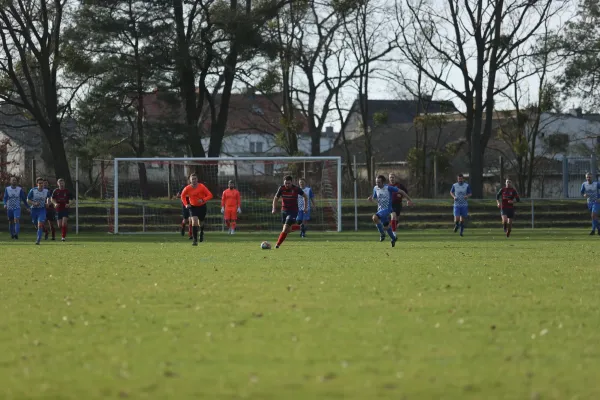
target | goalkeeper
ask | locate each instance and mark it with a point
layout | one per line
(230, 206)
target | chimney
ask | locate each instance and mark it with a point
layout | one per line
(329, 131)
(576, 112)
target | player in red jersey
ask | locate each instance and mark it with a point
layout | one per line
(288, 193)
(505, 199)
(50, 225)
(397, 200)
(194, 197)
(61, 198)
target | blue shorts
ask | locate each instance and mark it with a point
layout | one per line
(12, 214)
(38, 215)
(461, 211)
(384, 216)
(303, 216)
(594, 207)
(62, 214)
(289, 217)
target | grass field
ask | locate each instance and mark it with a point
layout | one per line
(329, 317)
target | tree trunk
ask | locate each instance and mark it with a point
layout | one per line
(187, 84)
(61, 163)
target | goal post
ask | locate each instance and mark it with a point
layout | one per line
(144, 191)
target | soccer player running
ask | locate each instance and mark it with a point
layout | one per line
(460, 192)
(396, 200)
(37, 199)
(61, 198)
(185, 215)
(50, 214)
(288, 193)
(13, 196)
(505, 199)
(231, 204)
(591, 191)
(304, 217)
(383, 194)
(194, 196)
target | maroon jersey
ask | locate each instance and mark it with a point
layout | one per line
(397, 197)
(507, 194)
(289, 197)
(62, 197)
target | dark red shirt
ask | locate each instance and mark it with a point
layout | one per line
(397, 197)
(62, 197)
(289, 197)
(505, 194)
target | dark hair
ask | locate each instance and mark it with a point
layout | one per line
(381, 177)
(38, 179)
(460, 176)
(192, 174)
(302, 179)
(287, 178)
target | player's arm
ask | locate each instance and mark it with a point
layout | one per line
(452, 191)
(373, 196)
(469, 192)
(238, 197)
(30, 200)
(23, 198)
(223, 198)
(498, 197)
(312, 198)
(185, 199)
(409, 201)
(582, 191)
(517, 196)
(276, 199)
(5, 197)
(206, 194)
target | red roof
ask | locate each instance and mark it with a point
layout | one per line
(248, 113)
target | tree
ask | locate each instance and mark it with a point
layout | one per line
(30, 64)
(475, 39)
(369, 38)
(580, 44)
(118, 40)
(520, 129)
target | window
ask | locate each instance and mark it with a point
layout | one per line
(256, 147)
(269, 170)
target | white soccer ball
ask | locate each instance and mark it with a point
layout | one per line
(265, 245)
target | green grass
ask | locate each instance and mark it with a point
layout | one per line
(329, 317)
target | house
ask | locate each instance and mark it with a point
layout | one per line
(394, 112)
(253, 126)
(582, 130)
(23, 144)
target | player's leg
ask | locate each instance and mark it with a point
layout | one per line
(594, 211)
(504, 220)
(195, 225)
(11, 222)
(63, 221)
(232, 218)
(510, 216)
(305, 219)
(378, 223)
(52, 223)
(184, 219)
(288, 219)
(385, 221)
(463, 215)
(40, 218)
(456, 214)
(17, 222)
(201, 218)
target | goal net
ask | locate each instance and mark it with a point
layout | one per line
(140, 193)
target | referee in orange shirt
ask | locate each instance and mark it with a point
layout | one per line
(194, 197)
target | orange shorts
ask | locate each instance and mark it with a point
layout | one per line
(231, 214)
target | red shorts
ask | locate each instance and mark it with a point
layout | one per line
(231, 214)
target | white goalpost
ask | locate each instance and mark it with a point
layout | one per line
(144, 189)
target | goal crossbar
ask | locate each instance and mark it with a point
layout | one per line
(337, 160)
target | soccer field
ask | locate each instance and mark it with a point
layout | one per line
(328, 317)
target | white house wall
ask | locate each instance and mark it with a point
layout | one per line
(580, 130)
(15, 158)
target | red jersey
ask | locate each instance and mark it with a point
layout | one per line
(61, 197)
(507, 194)
(289, 197)
(397, 197)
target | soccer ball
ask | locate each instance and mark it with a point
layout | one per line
(265, 245)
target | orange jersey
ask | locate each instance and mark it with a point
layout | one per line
(231, 199)
(198, 196)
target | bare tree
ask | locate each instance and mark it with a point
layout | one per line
(476, 39)
(30, 63)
